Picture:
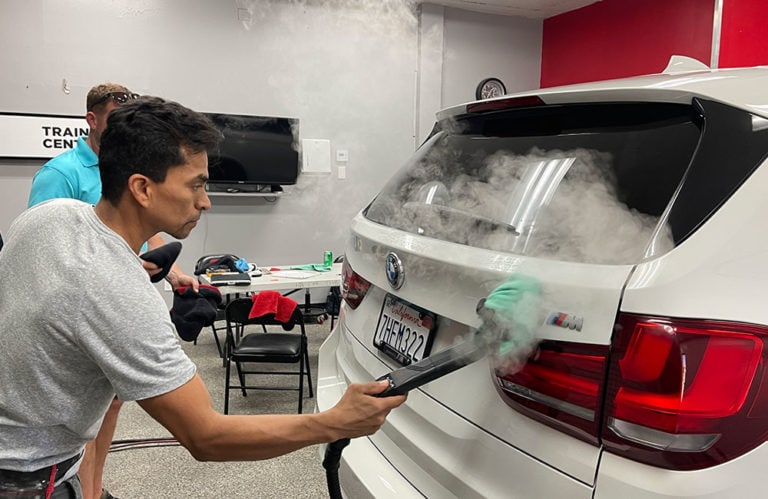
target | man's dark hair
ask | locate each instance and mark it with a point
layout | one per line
(149, 136)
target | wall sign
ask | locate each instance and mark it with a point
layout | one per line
(38, 135)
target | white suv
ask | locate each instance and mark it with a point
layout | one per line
(640, 205)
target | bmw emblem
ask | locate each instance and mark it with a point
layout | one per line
(394, 270)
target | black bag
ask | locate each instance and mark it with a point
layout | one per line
(212, 263)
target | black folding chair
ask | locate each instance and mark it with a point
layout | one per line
(285, 347)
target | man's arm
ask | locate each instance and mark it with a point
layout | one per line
(176, 276)
(188, 414)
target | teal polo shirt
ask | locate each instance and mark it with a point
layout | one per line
(72, 174)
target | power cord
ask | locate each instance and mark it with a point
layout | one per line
(142, 443)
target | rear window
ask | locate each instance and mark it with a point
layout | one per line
(583, 183)
(608, 183)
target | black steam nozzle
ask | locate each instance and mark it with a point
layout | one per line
(414, 375)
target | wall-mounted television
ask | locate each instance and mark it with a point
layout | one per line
(257, 153)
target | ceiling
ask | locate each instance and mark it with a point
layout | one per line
(537, 9)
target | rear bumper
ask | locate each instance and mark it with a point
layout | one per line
(427, 450)
(363, 472)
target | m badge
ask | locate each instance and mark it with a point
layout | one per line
(568, 321)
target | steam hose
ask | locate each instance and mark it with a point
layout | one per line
(508, 317)
(331, 463)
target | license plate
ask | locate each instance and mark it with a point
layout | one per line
(404, 331)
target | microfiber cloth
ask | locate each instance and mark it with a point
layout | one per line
(272, 302)
(163, 257)
(192, 311)
(511, 311)
(318, 267)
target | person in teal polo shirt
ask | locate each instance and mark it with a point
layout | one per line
(75, 174)
(71, 174)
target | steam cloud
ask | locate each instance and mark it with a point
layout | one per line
(554, 204)
(356, 57)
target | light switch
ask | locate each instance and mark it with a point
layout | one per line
(342, 172)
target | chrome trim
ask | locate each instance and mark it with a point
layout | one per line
(549, 401)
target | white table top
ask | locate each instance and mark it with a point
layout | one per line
(275, 281)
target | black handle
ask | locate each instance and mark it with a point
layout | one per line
(414, 375)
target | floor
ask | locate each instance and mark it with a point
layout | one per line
(151, 470)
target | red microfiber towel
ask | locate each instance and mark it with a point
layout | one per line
(272, 302)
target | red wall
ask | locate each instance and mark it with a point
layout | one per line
(743, 36)
(618, 38)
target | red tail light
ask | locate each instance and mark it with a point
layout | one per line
(678, 394)
(561, 385)
(686, 394)
(353, 287)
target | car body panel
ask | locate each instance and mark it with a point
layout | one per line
(739, 478)
(588, 291)
(727, 256)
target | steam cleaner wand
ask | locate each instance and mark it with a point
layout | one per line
(505, 326)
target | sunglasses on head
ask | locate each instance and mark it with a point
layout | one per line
(118, 97)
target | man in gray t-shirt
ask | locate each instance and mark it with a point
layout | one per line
(81, 322)
(88, 303)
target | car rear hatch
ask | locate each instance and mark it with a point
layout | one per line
(573, 195)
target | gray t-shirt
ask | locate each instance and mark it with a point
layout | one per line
(79, 322)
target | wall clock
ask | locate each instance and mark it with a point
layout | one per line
(489, 88)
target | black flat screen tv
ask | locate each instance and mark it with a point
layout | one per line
(257, 152)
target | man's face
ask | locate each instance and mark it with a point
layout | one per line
(178, 202)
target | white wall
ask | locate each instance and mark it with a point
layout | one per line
(459, 48)
(483, 46)
(364, 74)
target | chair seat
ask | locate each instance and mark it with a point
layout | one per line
(268, 345)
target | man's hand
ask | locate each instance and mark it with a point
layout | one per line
(150, 267)
(359, 412)
(176, 278)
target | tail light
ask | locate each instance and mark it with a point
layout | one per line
(353, 287)
(561, 386)
(686, 394)
(674, 393)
